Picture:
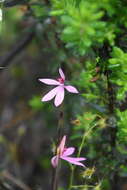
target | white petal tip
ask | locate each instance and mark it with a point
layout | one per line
(43, 100)
(61, 73)
(56, 105)
(75, 91)
(71, 89)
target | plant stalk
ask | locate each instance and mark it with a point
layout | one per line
(55, 177)
(78, 155)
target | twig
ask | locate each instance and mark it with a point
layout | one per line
(11, 3)
(78, 155)
(111, 113)
(20, 45)
(4, 186)
(82, 186)
(17, 182)
(111, 108)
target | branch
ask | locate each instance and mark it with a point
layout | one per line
(14, 180)
(11, 3)
(20, 45)
(111, 120)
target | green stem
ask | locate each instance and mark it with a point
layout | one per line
(82, 186)
(84, 138)
(78, 155)
(71, 177)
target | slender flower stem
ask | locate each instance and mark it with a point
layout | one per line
(71, 177)
(55, 178)
(60, 126)
(82, 186)
(84, 138)
(78, 155)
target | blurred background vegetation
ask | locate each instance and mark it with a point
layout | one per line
(88, 39)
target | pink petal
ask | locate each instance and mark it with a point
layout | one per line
(61, 73)
(55, 161)
(59, 96)
(71, 89)
(74, 161)
(49, 81)
(62, 144)
(68, 151)
(50, 95)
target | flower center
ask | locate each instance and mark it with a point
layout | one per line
(61, 80)
(59, 152)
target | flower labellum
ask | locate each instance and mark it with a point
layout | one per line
(64, 153)
(57, 92)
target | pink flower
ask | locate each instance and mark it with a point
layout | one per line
(57, 92)
(64, 153)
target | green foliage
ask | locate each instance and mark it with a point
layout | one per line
(94, 32)
(35, 103)
(122, 126)
(39, 10)
(80, 27)
(17, 71)
(83, 23)
(86, 75)
(118, 65)
(123, 170)
(83, 124)
(86, 28)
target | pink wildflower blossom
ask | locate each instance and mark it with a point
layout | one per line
(64, 153)
(57, 92)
